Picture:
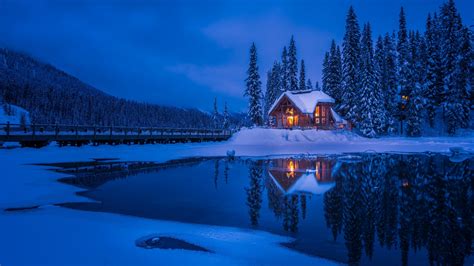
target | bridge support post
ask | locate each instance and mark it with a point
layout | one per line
(7, 129)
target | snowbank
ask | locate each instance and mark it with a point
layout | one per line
(15, 114)
(265, 136)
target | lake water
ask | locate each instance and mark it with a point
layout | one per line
(367, 209)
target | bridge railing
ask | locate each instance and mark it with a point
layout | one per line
(62, 130)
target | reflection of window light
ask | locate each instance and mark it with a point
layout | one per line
(405, 183)
(291, 166)
(291, 169)
(317, 173)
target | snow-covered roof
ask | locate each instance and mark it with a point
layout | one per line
(337, 117)
(306, 183)
(306, 101)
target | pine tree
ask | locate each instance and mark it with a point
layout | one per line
(403, 55)
(309, 85)
(292, 66)
(215, 115)
(254, 90)
(284, 70)
(380, 79)
(302, 76)
(338, 75)
(225, 123)
(390, 92)
(269, 92)
(416, 79)
(463, 70)
(433, 86)
(273, 90)
(316, 87)
(277, 79)
(325, 73)
(334, 75)
(451, 28)
(350, 67)
(367, 107)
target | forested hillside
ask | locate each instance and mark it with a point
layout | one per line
(53, 96)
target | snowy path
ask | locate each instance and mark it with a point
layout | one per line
(108, 239)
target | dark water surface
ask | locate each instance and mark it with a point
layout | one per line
(367, 209)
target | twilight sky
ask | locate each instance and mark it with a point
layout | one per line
(185, 53)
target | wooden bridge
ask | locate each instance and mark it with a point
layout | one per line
(38, 135)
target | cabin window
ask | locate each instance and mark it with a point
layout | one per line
(320, 116)
(291, 118)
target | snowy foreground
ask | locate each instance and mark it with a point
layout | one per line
(53, 235)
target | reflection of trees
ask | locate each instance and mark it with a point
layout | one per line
(254, 191)
(226, 171)
(291, 213)
(409, 201)
(216, 172)
(333, 207)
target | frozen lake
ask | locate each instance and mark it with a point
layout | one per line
(372, 209)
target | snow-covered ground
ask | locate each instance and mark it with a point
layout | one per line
(57, 236)
(14, 117)
(80, 236)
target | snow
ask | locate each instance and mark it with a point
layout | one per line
(337, 117)
(305, 101)
(50, 235)
(15, 118)
(58, 236)
(306, 183)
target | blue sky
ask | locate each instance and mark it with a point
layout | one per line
(185, 53)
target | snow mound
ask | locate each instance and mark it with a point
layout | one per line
(260, 136)
(12, 113)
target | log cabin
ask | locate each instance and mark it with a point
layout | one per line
(305, 109)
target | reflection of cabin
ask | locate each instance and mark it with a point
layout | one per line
(302, 176)
(313, 109)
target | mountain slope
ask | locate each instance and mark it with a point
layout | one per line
(53, 96)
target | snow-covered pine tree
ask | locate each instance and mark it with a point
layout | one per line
(215, 115)
(325, 73)
(380, 79)
(338, 75)
(317, 87)
(277, 80)
(273, 90)
(451, 28)
(269, 94)
(390, 92)
(462, 72)
(225, 122)
(417, 74)
(350, 67)
(284, 70)
(403, 56)
(334, 73)
(367, 107)
(302, 76)
(292, 66)
(433, 86)
(309, 85)
(254, 90)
